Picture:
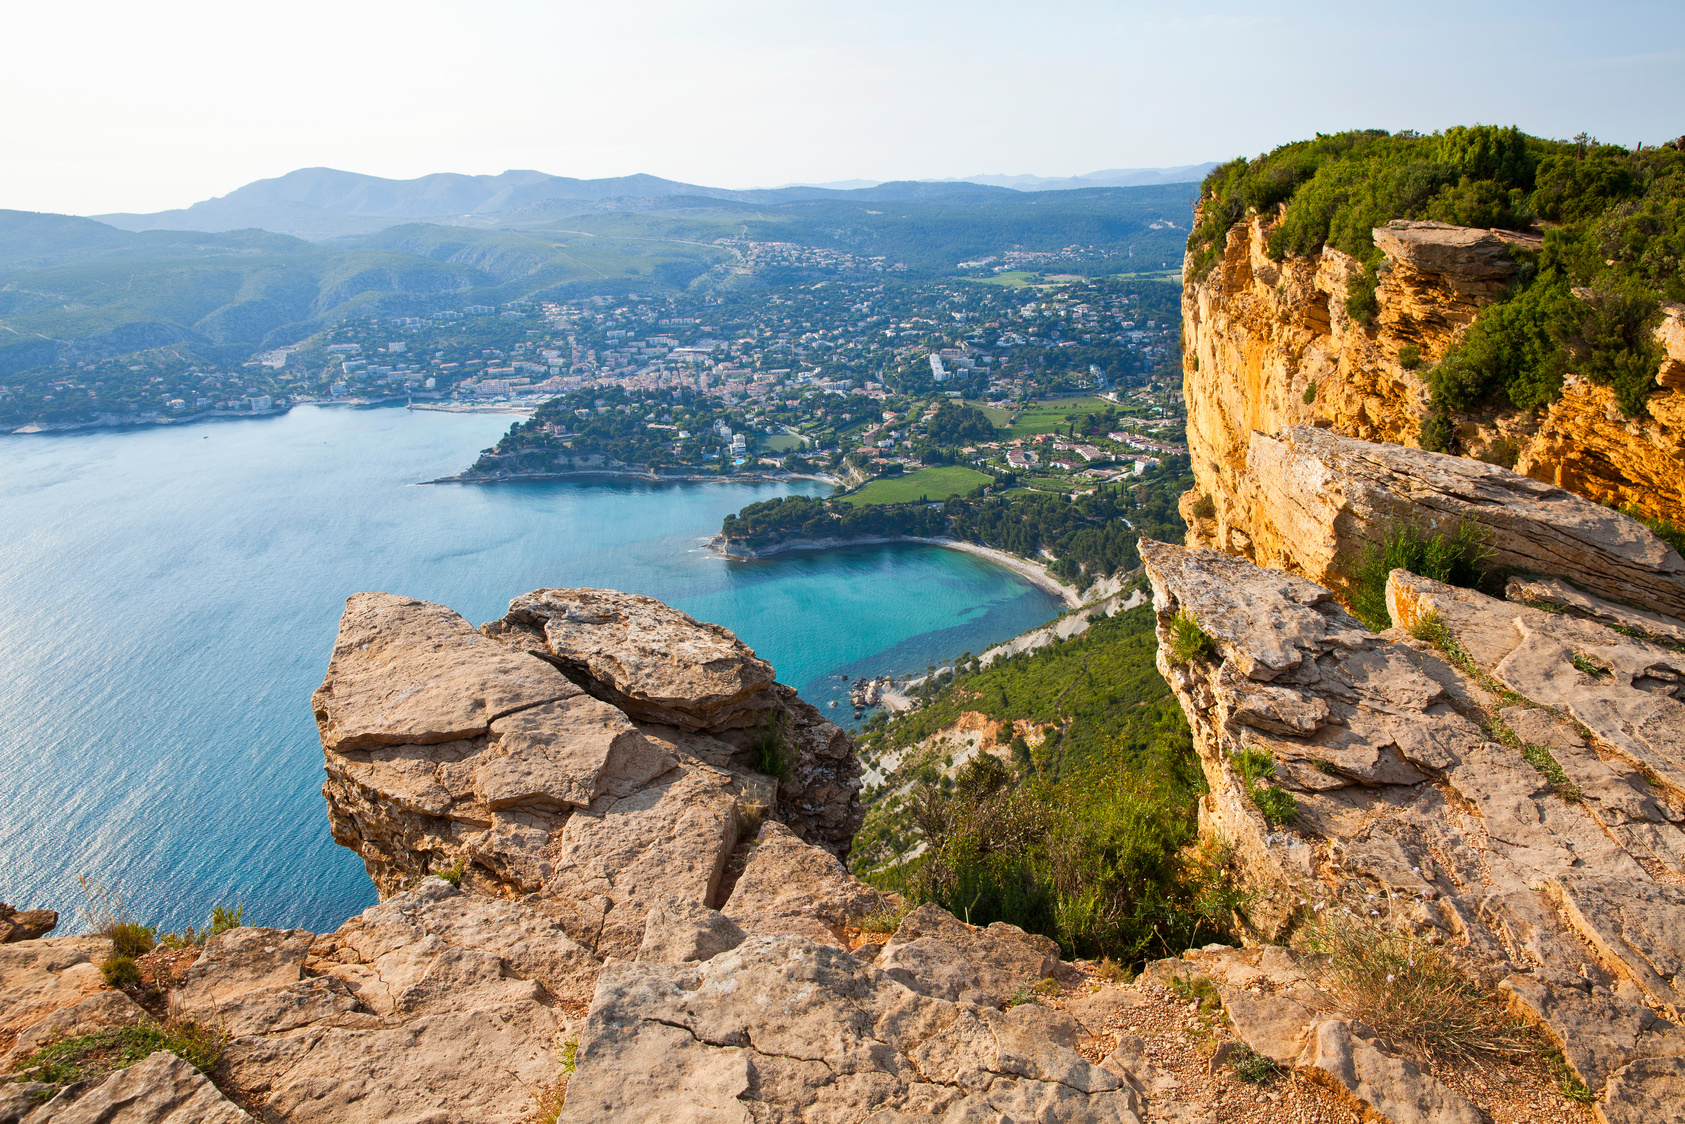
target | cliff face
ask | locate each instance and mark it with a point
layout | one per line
(1261, 337)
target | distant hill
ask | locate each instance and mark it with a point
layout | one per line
(325, 204)
(277, 260)
(1111, 177)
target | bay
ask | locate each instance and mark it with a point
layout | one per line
(169, 597)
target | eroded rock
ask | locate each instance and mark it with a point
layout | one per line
(1417, 807)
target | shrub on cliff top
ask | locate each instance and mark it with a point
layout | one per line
(1615, 247)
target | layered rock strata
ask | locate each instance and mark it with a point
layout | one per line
(1422, 802)
(1314, 502)
(1268, 344)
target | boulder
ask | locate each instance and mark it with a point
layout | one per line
(1392, 1087)
(449, 749)
(676, 931)
(25, 924)
(789, 886)
(406, 672)
(647, 658)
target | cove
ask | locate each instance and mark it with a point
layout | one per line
(169, 598)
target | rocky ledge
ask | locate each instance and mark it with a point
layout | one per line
(1513, 792)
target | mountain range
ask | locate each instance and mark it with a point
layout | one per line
(323, 204)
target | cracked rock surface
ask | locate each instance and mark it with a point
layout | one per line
(1415, 808)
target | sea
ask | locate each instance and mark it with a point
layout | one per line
(169, 598)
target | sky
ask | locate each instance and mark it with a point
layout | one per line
(131, 107)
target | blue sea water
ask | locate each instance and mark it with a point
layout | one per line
(169, 597)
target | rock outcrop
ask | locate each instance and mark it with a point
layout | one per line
(1518, 801)
(592, 747)
(1313, 502)
(1268, 345)
(25, 924)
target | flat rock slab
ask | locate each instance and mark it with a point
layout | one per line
(1559, 594)
(39, 977)
(411, 672)
(240, 960)
(784, 1029)
(476, 1066)
(1649, 1091)
(104, 1010)
(649, 659)
(160, 1089)
(937, 955)
(1331, 497)
(409, 952)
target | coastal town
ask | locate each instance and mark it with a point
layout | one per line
(774, 355)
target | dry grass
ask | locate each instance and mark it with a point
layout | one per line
(1414, 994)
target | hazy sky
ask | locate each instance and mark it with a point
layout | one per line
(139, 107)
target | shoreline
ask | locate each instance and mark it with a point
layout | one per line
(649, 477)
(1036, 573)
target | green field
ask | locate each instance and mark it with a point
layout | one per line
(936, 483)
(997, 416)
(1049, 415)
(781, 442)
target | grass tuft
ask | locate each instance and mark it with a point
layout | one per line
(91, 1056)
(767, 752)
(1188, 642)
(1585, 664)
(1205, 507)
(1413, 993)
(1252, 1067)
(1277, 805)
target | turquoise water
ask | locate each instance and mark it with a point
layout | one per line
(168, 599)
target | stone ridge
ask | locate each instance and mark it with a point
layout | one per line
(1268, 344)
(1410, 811)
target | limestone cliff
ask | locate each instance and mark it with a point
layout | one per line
(1268, 344)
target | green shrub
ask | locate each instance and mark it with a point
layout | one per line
(1617, 234)
(1188, 642)
(1277, 805)
(120, 971)
(1361, 301)
(1205, 507)
(224, 919)
(1410, 357)
(1310, 392)
(1254, 766)
(1104, 858)
(1456, 558)
(454, 872)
